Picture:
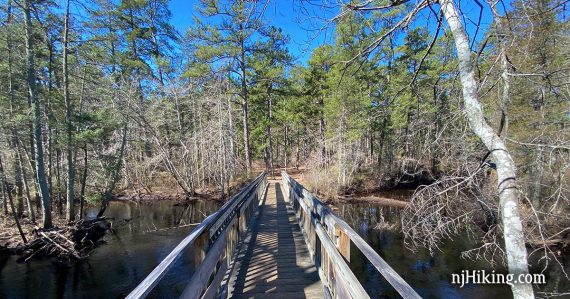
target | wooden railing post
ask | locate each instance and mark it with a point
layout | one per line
(342, 242)
(242, 220)
(201, 248)
(329, 240)
(214, 241)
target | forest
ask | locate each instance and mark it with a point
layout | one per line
(464, 103)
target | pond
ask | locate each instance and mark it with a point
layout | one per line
(115, 268)
(429, 275)
(138, 245)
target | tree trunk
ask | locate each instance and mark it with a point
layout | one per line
(5, 186)
(371, 144)
(322, 132)
(381, 142)
(4, 198)
(34, 173)
(26, 185)
(245, 108)
(223, 166)
(115, 174)
(58, 170)
(506, 171)
(83, 183)
(285, 144)
(437, 125)
(501, 35)
(14, 142)
(69, 212)
(270, 153)
(231, 128)
(37, 126)
(298, 150)
(51, 140)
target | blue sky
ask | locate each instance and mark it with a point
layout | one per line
(286, 14)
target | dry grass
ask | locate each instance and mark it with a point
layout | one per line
(322, 181)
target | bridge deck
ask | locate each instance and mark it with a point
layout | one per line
(274, 261)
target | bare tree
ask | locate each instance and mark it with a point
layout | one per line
(70, 211)
(37, 125)
(506, 170)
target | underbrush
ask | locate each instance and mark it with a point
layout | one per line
(322, 181)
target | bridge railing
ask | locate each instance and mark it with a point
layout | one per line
(329, 239)
(214, 241)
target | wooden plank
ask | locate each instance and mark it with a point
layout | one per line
(343, 230)
(201, 246)
(276, 259)
(393, 278)
(320, 258)
(275, 289)
(246, 210)
(228, 211)
(291, 280)
(342, 242)
(229, 208)
(154, 277)
(146, 286)
(327, 293)
(350, 281)
(212, 290)
(314, 293)
(202, 275)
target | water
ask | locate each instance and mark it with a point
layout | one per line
(429, 275)
(115, 268)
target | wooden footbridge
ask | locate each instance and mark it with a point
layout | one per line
(273, 240)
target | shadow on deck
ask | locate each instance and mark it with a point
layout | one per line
(274, 260)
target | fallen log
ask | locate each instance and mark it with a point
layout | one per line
(384, 201)
(550, 243)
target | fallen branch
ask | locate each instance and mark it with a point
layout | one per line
(71, 252)
(71, 242)
(172, 227)
(549, 243)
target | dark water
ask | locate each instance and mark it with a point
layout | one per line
(115, 268)
(429, 275)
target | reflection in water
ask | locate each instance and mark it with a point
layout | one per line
(115, 268)
(429, 275)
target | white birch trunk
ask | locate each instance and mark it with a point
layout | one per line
(506, 171)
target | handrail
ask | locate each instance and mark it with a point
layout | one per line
(322, 227)
(210, 237)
